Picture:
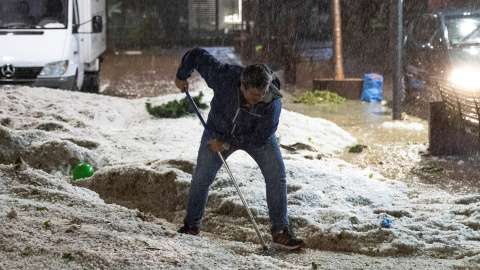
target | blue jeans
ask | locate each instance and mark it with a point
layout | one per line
(269, 159)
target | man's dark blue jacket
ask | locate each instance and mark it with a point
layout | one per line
(228, 120)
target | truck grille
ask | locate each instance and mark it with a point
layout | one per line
(22, 73)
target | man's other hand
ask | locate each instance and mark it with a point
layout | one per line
(182, 85)
(216, 145)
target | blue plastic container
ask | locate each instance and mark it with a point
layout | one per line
(372, 87)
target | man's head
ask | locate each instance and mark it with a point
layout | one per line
(255, 81)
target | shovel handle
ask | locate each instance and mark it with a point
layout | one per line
(198, 113)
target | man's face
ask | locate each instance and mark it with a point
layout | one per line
(254, 95)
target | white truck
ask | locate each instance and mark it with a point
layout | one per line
(52, 43)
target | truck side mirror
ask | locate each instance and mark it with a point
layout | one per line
(97, 24)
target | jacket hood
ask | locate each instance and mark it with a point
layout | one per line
(32, 48)
(273, 93)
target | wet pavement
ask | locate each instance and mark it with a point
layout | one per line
(135, 74)
(395, 149)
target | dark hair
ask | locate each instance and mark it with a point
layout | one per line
(256, 76)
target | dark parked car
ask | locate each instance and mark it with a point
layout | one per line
(444, 44)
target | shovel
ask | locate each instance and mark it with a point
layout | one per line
(265, 247)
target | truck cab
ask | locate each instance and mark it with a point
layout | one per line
(52, 43)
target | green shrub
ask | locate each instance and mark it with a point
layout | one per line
(176, 109)
(319, 97)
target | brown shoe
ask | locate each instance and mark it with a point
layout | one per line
(186, 229)
(285, 239)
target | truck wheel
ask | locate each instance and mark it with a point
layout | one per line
(75, 86)
(91, 82)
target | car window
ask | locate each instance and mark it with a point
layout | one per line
(33, 14)
(425, 31)
(463, 29)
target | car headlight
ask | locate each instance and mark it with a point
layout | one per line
(55, 68)
(466, 78)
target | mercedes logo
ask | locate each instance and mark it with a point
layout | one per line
(8, 70)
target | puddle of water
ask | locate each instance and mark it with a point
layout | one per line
(396, 149)
(368, 122)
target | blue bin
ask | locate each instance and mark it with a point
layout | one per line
(372, 87)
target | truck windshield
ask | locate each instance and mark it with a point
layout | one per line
(32, 14)
(463, 30)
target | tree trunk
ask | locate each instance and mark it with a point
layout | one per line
(337, 33)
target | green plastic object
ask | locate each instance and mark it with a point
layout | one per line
(82, 171)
